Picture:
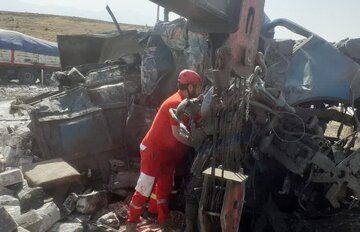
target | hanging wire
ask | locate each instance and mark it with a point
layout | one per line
(290, 141)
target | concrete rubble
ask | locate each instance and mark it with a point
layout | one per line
(91, 202)
(50, 214)
(70, 202)
(11, 177)
(30, 221)
(11, 205)
(67, 227)
(20, 229)
(6, 221)
(31, 198)
(109, 219)
(6, 191)
(46, 174)
(73, 162)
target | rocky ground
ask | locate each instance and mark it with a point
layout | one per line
(11, 92)
(35, 196)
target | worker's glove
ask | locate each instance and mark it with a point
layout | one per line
(183, 131)
(188, 107)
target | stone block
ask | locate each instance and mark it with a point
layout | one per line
(7, 223)
(11, 177)
(11, 204)
(79, 218)
(109, 219)
(50, 214)
(4, 136)
(25, 160)
(6, 191)
(31, 198)
(15, 141)
(67, 227)
(89, 203)
(20, 229)
(30, 221)
(50, 173)
(70, 202)
(11, 156)
(7, 152)
(2, 163)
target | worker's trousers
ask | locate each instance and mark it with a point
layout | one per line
(154, 178)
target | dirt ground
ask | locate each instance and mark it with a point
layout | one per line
(48, 26)
(9, 93)
(12, 91)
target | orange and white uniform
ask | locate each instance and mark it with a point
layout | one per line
(160, 153)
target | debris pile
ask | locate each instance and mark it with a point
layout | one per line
(285, 133)
(89, 129)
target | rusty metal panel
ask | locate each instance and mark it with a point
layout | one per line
(222, 200)
(232, 206)
(87, 133)
(80, 121)
(244, 42)
(206, 15)
(96, 48)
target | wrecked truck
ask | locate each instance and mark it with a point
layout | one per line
(273, 123)
(280, 127)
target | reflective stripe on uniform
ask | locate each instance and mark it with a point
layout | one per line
(153, 196)
(142, 147)
(145, 184)
(161, 201)
(134, 206)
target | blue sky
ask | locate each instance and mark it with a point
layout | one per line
(331, 19)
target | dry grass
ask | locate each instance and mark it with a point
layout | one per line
(48, 26)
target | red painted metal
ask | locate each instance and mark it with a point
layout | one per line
(27, 65)
(232, 206)
(244, 42)
(12, 56)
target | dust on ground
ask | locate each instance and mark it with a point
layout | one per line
(13, 91)
(8, 93)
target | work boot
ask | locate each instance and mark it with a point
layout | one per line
(131, 227)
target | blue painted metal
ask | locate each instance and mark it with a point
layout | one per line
(18, 41)
(81, 121)
(317, 69)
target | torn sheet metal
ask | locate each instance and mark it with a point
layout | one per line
(97, 48)
(81, 121)
(316, 70)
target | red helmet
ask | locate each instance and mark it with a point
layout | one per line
(188, 76)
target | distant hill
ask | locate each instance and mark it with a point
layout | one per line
(48, 26)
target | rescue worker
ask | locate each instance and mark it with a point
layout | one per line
(161, 150)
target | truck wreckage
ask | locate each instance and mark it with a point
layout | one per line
(279, 123)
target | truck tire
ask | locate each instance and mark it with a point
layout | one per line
(27, 76)
(47, 77)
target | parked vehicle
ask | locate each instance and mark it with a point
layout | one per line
(22, 57)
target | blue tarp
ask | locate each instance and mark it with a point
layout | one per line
(18, 41)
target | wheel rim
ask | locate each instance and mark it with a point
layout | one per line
(28, 76)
